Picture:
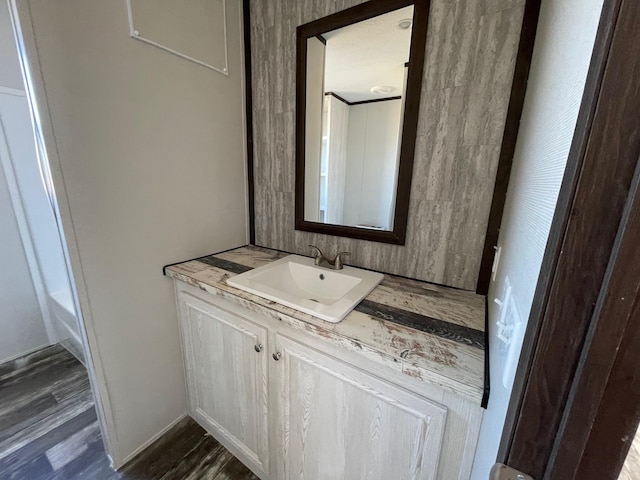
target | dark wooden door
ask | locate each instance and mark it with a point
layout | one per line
(576, 399)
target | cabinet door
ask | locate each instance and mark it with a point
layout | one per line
(227, 378)
(338, 422)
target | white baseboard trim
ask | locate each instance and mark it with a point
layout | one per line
(28, 352)
(148, 443)
(13, 91)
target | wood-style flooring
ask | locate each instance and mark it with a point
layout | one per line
(49, 430)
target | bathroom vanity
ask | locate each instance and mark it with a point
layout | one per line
(393, 391)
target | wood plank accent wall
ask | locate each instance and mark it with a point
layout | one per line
(470, 58)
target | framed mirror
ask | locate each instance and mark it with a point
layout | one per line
(359, 77)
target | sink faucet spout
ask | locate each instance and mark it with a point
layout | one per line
(320, 260)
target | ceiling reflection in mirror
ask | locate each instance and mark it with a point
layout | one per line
(356, 79)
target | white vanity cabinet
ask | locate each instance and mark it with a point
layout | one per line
(338, 422)
(227, 381)
(292, 406)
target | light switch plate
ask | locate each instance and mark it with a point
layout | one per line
(515, 328)
(509, 333)
(503, 329)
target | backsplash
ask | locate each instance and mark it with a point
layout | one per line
(471, 51)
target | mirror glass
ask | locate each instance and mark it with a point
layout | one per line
(356, 84)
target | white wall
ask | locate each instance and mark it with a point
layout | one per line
(39, 231)
(10, 75)
(564, 42)
(336, 118)
(48, 268)
(38, 210)
(372, 158)
(313, 128)
(147, 155)
(21, 325)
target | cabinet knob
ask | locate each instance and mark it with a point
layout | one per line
(276, 356)
(258, 347)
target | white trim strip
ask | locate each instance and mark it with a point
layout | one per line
(136, 35)
(13, 91)
(23, 354)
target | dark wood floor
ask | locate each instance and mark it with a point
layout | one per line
(49, 430)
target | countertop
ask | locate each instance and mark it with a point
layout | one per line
(429, 332)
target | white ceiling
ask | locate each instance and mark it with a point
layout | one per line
(367, 54)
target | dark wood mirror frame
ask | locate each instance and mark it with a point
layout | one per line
(341, 19)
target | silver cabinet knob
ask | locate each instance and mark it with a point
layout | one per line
(276, 356)
(258, 348)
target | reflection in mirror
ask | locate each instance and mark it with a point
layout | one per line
(356, 79)
(358, 82)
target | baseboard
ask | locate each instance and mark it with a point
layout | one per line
(23, 354)
(149, 442)
(74, 347)
(16, 92)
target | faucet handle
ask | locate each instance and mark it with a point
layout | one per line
(338, 260)
(317, 251)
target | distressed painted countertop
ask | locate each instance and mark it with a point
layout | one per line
(429, 332)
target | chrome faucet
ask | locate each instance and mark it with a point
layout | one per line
(321, 261)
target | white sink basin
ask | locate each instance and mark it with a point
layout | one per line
(296, 282)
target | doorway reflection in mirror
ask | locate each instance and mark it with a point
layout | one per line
(355, 93)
